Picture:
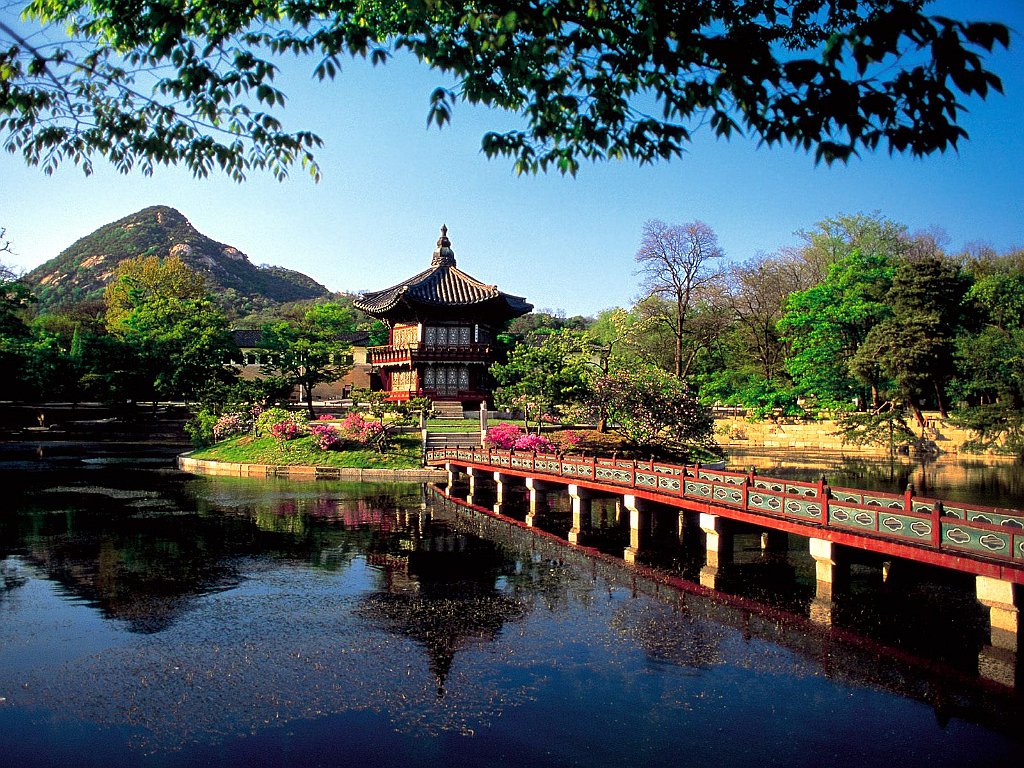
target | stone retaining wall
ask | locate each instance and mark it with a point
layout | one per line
(206, 467)
(736, 432)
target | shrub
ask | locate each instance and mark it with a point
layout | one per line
(503, 436)
(326, 437)
(356, 428)
(326, 417)
(287, 429)
(537, 443)
(229, 424)
(566, 439)
(268, 418)
(200, 428)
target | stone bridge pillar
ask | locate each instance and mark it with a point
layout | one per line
(536, 487)
(639, 522)
(717, 546)
(830, 570)
(473, 474)
(998, 661)
(581, 508)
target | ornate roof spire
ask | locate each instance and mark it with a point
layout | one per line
(444, 256)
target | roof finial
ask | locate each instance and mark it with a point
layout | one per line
(443, 254)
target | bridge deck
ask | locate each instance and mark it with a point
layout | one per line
(981, 540)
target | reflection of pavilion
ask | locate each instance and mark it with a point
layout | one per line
(439, 590)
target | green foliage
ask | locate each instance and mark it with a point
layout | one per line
(199, 427)
(272, 416)
(826, 325)
(884, 427)
(762, 398)
(543, 373)
(998, 427)
(193, 83)
(309, 352)
(654, 409)
(160, 312)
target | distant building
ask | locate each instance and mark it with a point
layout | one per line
(442, 330)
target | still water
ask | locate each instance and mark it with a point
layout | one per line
(152, 618)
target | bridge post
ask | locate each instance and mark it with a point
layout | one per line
(452, 473)
(536, 487)
(774, 541)
(501, 479)
(829, 571)
(998, 660)
(639, 519)
(473, 474)
(581, 507)
(717, 548)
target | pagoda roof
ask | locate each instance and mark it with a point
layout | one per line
(443, 285)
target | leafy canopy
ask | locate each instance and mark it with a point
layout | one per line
(192, 81)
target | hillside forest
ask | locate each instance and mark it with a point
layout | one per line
(862, 320)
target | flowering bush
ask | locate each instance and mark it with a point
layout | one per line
(537, 443)
(357, 428)
(503, 436)
(326, 417)
(268, 418)
(286, 429)
(326, 437)
(229, 424)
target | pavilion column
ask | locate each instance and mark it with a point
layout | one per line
(473, 475)
(998, 660)
(639, 521)
(717, 546)
(581, 508)
(453, 474)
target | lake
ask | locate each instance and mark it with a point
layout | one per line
(152, 618)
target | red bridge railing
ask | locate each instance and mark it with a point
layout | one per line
(951, 527)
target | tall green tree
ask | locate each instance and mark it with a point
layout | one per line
(544, 372)
(914, 346)
(143, 84)
(826, 325)
(178, 340)
(313, 351)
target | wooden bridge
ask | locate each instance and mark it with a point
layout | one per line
(986, 542)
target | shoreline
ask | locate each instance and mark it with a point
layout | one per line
(187, 463)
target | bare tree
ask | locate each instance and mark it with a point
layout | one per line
(678, 265)
(758, 289)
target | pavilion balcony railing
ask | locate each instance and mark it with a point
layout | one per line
(401, 395)
(421, 353)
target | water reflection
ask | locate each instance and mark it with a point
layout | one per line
(159, 619)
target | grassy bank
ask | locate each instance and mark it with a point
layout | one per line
(246, 449)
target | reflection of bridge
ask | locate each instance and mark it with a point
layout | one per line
(983, 541)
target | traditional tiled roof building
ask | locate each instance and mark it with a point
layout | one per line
(443, 325)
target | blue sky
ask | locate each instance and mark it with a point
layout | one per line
(566, 244)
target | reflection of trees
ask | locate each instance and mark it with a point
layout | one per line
(138, 557)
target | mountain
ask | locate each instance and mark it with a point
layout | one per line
(82, 271)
